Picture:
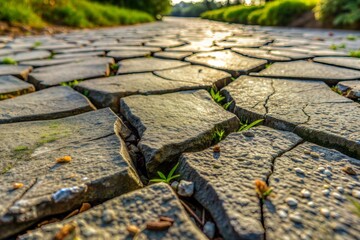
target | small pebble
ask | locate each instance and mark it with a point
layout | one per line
(356, 193)
(174, 185)
(216, 149)
(17, 185)
(325, 212)
(108, 215)
(327, 172)
(311, 204)
(65, 159)
(133, 229)
(248, 134)
(349, 170)
(185, 188)
(334, 215)
(337, 196)
(299, 170)
(307, 152)
(326, 186)
(209, 229)
(291, 202)
(282, 214)
(321, 169)
(326, 192)
(295, 218)
(314, 154)
(340, 189)
(305, 193)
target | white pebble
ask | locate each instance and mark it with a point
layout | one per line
(311, 204)
(108, 215)
(174, 185)
(327, 172)
(185, 188)
(321, 169)
(282, 214)
(356, 193)
(326, 192)
(291, 202)
(325, 212)
(334, 215)
(340, 189)
(337, 196)
(305, 193)
(209, 229)
(295, 218)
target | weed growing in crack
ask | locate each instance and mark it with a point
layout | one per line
(262, 189)
(245, 126)
(337, 90)
(218, 135)
(71, 84)
(216, 95)
(86, 93)
(114, 68)
(268, 65)
(167, 179)
(336, 47)
(227, 105)
(37, 44)
(355, 54)
(356, 205)
(351, 37)
(21, 148)
(9, 61)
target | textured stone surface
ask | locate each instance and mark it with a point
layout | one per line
(172, 55)
(141, 65)
(327, 213)
(51, 62)
(224, 182)
(228, 61)
(347, 62)
(309, 108)
(17, 71)
(106, 92)
(170, 124)
(31, 55)
(100, 167)
(195, 74)
(54, 75)
(80, 55)
(351, 89)
(260, 53)
(51, 103)
(135, 208)
(120, 55)
(310, 71)
(11, 87)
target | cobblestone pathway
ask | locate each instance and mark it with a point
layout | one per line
(88, 117)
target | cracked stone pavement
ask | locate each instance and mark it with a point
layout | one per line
(88, 117)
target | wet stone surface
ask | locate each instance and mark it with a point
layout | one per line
(99, 169)
(111, 219)
(170, 124)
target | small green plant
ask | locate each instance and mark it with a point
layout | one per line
(262, 189)
(355, 54)
(86, 93)
(227, 105)
(245, 126)
(336, 47)
(71, 84)
(337, 90)
(218, 135)
(268, 65)
(37, 44)
(9, 61)
(216, 95)
(351, 37)
(356, 205)
(167, 179)
(6, 168)
(21, 148)
(114, 68)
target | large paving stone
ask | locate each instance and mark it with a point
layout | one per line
(121, 55)
(350, 88)
(309, 108)
(51, 103)
(54, 75)
(107, 92)
(172, 123)
(135, 208)
(141, 65)
(224, 182)
(246, 42)
(11, 87)
(197, 75)
(164, 43)
(309, 71)
(25, 56)
(17, 71)
(260, 53)
(347, 62)
(80, 55)
(51, 62)
(290, 54)
(194, 48)
(228, 61)
(100, 168)
(327, 213)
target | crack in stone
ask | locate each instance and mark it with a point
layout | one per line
(306, 114)
(268, 98)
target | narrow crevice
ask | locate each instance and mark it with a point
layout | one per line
(306, 114)
(268, 98)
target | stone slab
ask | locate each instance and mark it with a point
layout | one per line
(121, 55)
(195, 48)
(195, 74)
(309, 108)
(51, 103)
(290, 54)
(173, 55)
(164, 43)
(350, 88)
(228, 61)
(141, 65)
(54, 75)
(51, 62)
(11, 87)
(261, 54)
(78, 55)
(172, 123)
(100, 168)
(325, 211)
(309, 71)
(30, 55)
(135, 208)
(17, 71)
(347, 62)
(224, 182)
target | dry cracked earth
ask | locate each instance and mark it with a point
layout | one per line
(117, 105)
